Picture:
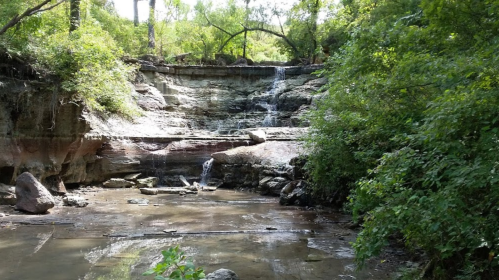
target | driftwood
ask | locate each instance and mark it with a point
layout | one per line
(167, 190)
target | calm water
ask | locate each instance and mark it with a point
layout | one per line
(111, 239)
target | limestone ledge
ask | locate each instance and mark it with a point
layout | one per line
(223, 71)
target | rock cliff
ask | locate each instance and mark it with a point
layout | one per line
(188, 114)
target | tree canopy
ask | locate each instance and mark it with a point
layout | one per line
(409, 129)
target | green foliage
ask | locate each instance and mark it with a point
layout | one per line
(177, 266)
(410, 125)
(87, 61)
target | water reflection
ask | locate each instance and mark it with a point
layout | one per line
(244, 232)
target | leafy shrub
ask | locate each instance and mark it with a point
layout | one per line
(177, 266)
(410, 124)
(88, 62)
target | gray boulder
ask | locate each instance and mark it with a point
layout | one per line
(222, 274)
(295, 193)
(76, 201)
(7, 195)
(272, 185)
(258, 136)
(118, 183)
(31, 195)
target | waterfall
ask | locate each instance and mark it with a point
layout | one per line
(205, 175)
(271, 117)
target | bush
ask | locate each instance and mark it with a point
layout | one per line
(177, 265)
(411, 126)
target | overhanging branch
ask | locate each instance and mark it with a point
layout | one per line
(295, 49)
(30, 11)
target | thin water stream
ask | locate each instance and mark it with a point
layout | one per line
(244, 232)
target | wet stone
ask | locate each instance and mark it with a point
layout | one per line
(76, 201)
(149, 182)
(141, 201)
(149, 191)
(222, 274)
(118, 183)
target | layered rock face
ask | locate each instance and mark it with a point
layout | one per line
(41, 131)
(188, 114)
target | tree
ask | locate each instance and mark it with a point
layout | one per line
(409, 125)
(151, 36)
(74, 15)
(246, 31)
(136, 13)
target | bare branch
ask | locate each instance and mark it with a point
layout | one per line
(48, 8)
(217, 27)
(291, 44)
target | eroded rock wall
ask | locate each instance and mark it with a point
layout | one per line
(188, 114)
(41, 130)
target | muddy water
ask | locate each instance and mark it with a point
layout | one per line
(111, 239)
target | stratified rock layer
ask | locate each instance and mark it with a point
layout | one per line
(189, 113)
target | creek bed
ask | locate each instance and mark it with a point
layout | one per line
(247, 233)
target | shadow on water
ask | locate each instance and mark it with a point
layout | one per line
(244, 232)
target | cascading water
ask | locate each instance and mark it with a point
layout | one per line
(205, 175)
(271, 117)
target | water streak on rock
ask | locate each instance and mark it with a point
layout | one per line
(271, 117)
(205, 176)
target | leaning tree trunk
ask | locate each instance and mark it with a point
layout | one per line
(74, 15)
(136, 13)
(151, 36)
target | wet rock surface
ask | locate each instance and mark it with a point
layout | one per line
(222, 274)
(76, 201)
(32, 196)
(189, 113)
(118, 183)
(222, 229)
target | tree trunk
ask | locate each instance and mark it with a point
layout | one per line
(151, 36)
(314, 18)
(136, 13)
(244, 44)
(246, 32)
(74, 15)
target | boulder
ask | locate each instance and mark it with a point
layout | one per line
(76, 201)
(240, 61)
(295, 193)
(258, 136)
(268, 153)
(31, 195)
(149, 182)
(7, 195)
(272, 186)
(118, 183)
(222, 274)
